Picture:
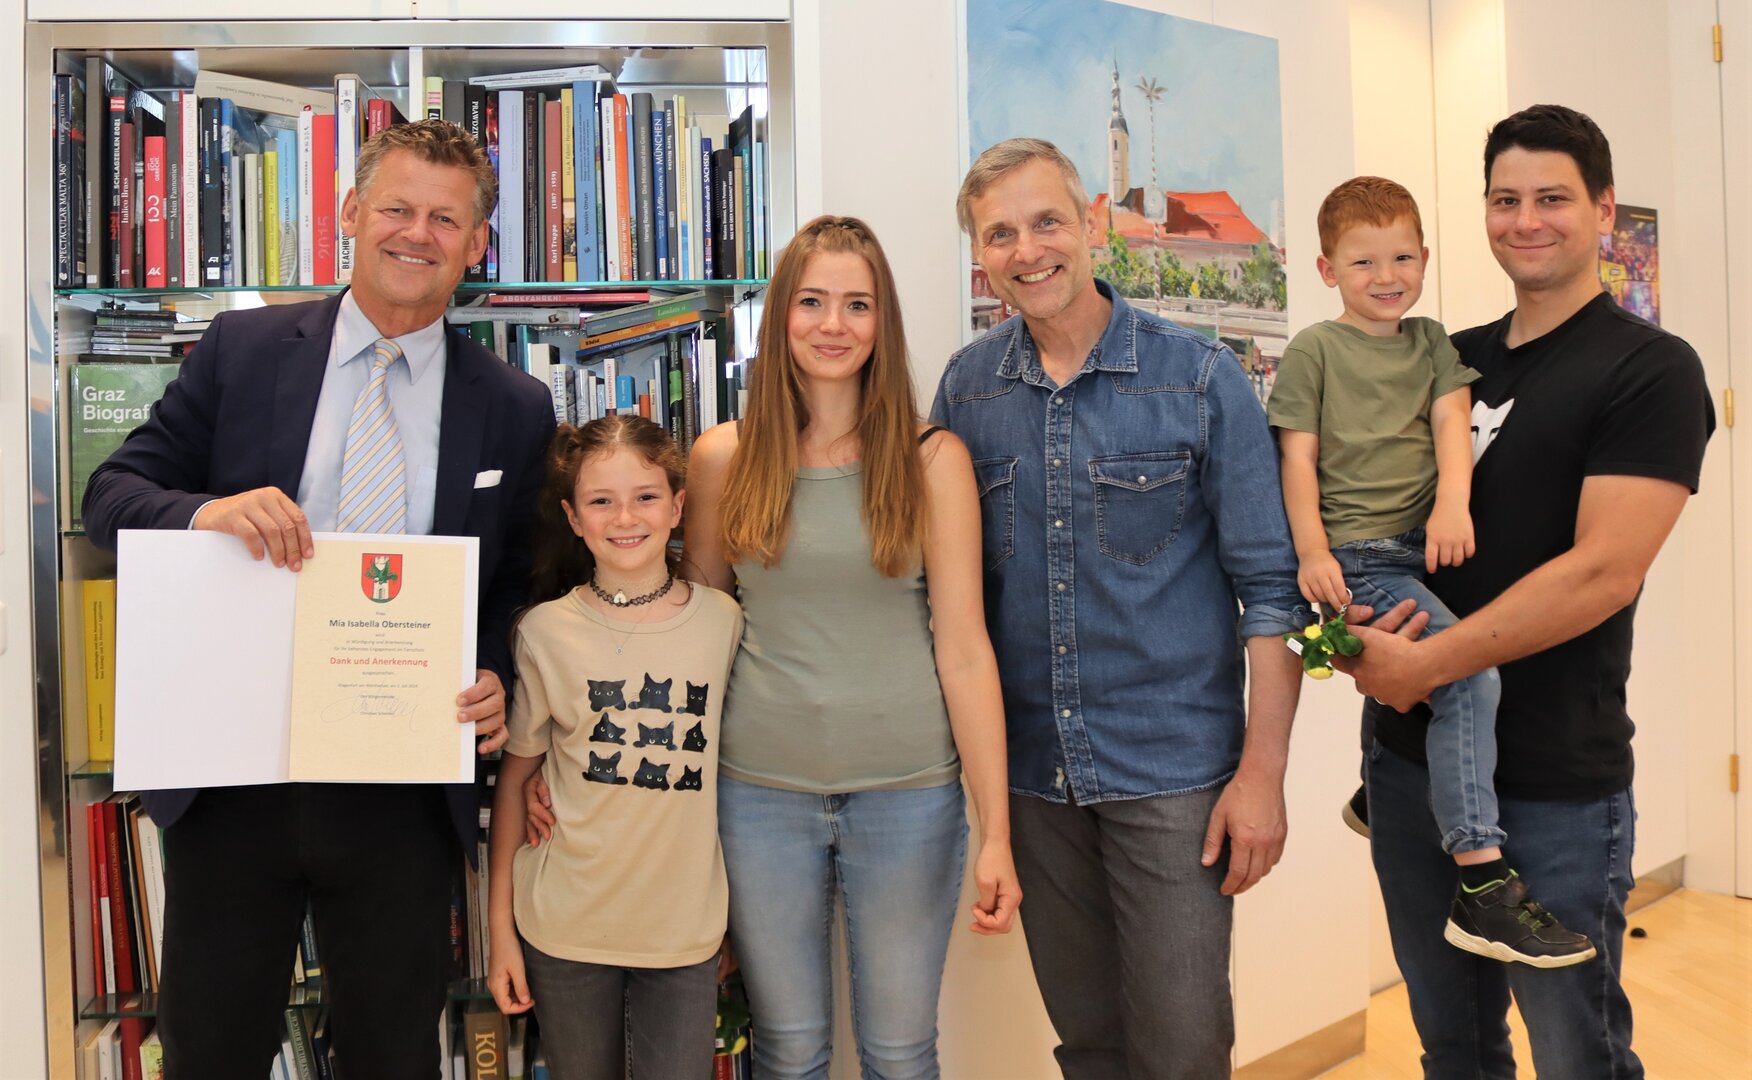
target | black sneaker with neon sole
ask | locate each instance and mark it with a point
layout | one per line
(1356, 813)
(1502, 922)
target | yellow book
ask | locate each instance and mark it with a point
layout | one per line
(271, 217)
(98, 598)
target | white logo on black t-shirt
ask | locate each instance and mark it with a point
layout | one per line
(1486, 424)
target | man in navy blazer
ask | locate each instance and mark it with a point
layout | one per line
(249, 440)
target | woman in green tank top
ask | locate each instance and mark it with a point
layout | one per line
(866, 686)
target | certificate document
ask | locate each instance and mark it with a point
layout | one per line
(378, 659)
(232, 671)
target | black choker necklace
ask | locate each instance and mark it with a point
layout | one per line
(619, 597)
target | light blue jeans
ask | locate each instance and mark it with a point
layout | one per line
(1461, 740)
(894, 859)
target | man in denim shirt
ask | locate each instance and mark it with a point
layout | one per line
(1135, 538)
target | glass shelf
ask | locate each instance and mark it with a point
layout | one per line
(93, 770)
(308, 996)
(467, 288)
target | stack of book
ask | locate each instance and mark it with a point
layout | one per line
(155, 335)
(239, 182)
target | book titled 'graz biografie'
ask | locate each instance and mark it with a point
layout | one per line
(109, 401)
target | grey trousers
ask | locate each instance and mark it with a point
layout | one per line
(597, 1020)
(1128, 934)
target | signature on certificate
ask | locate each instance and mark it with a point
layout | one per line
(375, 705)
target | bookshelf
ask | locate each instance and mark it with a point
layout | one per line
(721, 65)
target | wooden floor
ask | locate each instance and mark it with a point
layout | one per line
(1690, 984)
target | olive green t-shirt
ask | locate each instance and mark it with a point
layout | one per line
(1368, 398)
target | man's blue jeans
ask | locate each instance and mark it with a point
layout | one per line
(1461, 743)
(1578, 854)
(894, 859)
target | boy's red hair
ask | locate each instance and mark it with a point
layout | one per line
(1365, 200)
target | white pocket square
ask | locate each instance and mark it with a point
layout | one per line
(488, 478)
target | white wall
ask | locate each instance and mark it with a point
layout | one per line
(889, 111)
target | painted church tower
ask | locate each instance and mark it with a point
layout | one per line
(1118, 147)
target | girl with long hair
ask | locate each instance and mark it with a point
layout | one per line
(866, 688)
(611, 929)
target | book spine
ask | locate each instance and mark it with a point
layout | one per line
(758, 191)
(157, 239)
(142, 903)
(511, 186)
(660, 192)
(346, 158)
(611, 246)
(251, 168)
(173, 212)
(125, 246)
(584, 174)
(624, 190)
(642, 198)
(474, 121)
(231, 204)
(151, 848)
(271, 217)
(706, 374)
(708, 213)
(306, 198)
(115, 201)
(454, 94)
(568, 186)
(286, 185)
(189, 148)
(65, 224)
(212, 194)
(553, 211)
(534, 188)
(743, 219)
(95, 863)
(96, 218)
(434, 97)
(671, 217)
(322, 192)
(686, 164)
(122, 944)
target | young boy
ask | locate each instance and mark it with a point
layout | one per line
(1374, 425)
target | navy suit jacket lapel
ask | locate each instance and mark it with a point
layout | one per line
(461, 430)
(303, 360)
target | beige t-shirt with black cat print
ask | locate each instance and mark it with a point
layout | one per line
(633, 876)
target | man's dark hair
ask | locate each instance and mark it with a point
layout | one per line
(1558, 128)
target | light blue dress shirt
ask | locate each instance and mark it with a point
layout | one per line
(416, 394)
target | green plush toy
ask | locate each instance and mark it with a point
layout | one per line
(1319, 643)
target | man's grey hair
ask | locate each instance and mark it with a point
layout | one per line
(1001, 159)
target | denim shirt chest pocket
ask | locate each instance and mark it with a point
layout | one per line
(996, 479)
(1139, 502)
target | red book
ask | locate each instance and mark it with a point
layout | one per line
(97, 865)
(121, 939)
(322, 184)
(157, 239)
(623, 190)
(126, 240)
(133, 1034)
(554, 131)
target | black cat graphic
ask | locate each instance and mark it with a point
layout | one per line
(695, 739)
(655, 777)
(608, 731)
(657, 736)
(605, 770)
(696, 699)
(654, 695)
(606, 695)
(690, 780)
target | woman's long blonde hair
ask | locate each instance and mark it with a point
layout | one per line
(756, 509)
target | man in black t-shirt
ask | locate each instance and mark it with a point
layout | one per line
(1589, 427)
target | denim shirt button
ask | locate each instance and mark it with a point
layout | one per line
(1062, 650)
(1066, 713)
(1058, 524)
(1061, 586)
(1058, 400)
(1056, 463)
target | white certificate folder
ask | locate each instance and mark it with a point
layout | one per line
(205, 637)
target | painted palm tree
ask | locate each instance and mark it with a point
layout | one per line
(1152, 92)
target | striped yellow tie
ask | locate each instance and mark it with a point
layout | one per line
(374, 488)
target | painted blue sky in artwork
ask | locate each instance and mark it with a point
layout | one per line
(1045, 68)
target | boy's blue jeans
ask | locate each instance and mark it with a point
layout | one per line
(1461, 741)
